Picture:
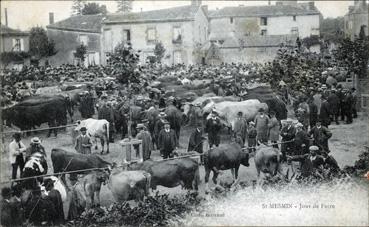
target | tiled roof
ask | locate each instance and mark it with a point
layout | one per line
(5, 30)
(260, 41)
(86, 23)
(170, 14)
(269, 10)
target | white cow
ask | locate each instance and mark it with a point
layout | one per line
(95, 129)
(228, 110)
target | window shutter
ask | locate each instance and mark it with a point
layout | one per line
(21, 45)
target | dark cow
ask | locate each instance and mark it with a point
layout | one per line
(226, 156)
(35, 166)
(278, 106)
(69, 161)
(36, 110)
(171, 173)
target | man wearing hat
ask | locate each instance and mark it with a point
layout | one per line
(195, 142)
(83, 142)
(56, 199)
(348, 106)
(174, 116)
(147, 145)
(261, 124)
(301, 140)
(159, 125)
(325, 112)
(213, 127)
(251, 136)
(240, 128)
(273, 129)
(167, 141)
(35, 147)
(310, 164)
(288, 133)
(334, 104)
(16, 150)
(321, 135)
(107, 113)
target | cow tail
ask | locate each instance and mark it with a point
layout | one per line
(107, 132)
(197, 180)
(148, 183)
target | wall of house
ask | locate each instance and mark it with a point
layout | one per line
(66, 43)
(247, 55)
(281, 25)
(7, 43)
(114, 34)
(353, 23)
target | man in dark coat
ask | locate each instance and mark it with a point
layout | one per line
(107, 113)
(311, 164)
(7, 216)
(348, 104)
(174, 116)
(341, 96)
(325, 112)
(321, 134)
(195, 142)
(334, 104)
(354, 102)
(288, 133)
(301, 140)
(313, 115)
(213, 127)
(240, 128)
(159, 125)
(55, 196)
(167, 141)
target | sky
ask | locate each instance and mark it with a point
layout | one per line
(26, 14)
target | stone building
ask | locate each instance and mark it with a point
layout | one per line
(181, 30)
(70, 33)
(356, 19)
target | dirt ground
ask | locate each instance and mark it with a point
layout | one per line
(346, 144)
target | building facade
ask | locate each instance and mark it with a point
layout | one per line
(70, 33)
(180, 30)
(254, 33)
(356, 19)
(13, 40)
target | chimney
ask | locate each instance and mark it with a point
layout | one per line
(196, 2)
(6, 16)
(311, 5)
(205, 8)
(269, 3)
(51, 18)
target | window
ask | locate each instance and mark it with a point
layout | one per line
(263, 32)
(263, 21)
(177, 35)
(314, 31)
(18, 45)
(151, 34)
(231, 20)
(83, 39)
(126, 35)
(295, 31)
(294, 18)
(177, 57)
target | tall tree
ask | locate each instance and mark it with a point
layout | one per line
(39, 44)
(77, 7)
(332, 29)
(93, 8)
(123, 61)
(159, 51)
(124, 6)
(81, 52)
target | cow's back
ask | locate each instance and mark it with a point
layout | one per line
(227, 155)
(95, 128)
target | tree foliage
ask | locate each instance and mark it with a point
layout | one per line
(158, 210)
(354, 55)
(124, 6)
(331, 29)
(40, 45)
(159, 51)
(77, 7)
(81, 52)
(124, 62)
(310, 41)
(93, 8)
(8, 57)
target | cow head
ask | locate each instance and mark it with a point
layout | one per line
(103, 176)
